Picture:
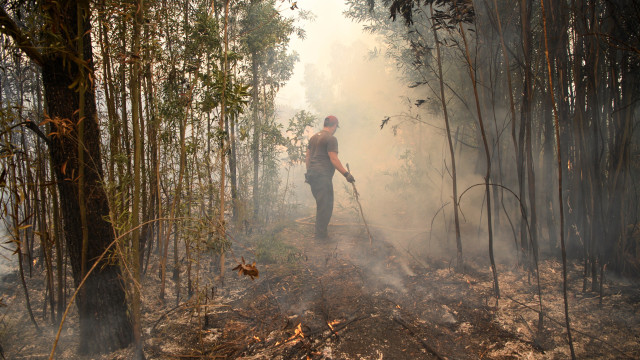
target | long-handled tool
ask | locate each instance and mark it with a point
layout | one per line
(355, 193)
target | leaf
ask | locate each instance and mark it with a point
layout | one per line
(384, 122)
(45, 121)
(20, 196)
(247, 269)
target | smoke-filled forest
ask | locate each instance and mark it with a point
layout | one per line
(159, 199)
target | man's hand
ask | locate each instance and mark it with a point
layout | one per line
(306, 178)
(349, 177)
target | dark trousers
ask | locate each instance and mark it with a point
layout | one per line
(322, 190)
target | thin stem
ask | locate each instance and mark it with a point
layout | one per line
(557, 133)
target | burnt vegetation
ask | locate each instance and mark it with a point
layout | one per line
(152, 204)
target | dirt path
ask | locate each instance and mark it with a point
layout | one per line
(345, 299)
(384, 303)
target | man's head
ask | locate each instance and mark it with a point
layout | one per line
(331, 123)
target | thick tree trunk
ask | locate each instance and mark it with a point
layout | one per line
(104, 321)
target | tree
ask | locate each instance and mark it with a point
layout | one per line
(265, 30)
(74, 145)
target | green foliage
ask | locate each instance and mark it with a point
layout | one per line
(264, 27)
(296, 141)
(216, 244)
(236, 94)
(203, 35)
(271, 249)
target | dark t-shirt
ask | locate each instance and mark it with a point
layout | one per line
(319, 147)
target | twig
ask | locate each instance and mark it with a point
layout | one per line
(165, 315)
(325, 311)
(335, 330)
(356, 195)
(415, 335)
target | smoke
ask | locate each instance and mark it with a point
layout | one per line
(402, 171)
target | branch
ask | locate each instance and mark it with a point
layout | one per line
(31, 125)
(34, 127)
(9, 27)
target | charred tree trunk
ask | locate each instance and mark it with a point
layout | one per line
(559, 156)
(525, 124)
(625, 77)
(104, 320)
(460, 261)
(138, 170)
(487, 177)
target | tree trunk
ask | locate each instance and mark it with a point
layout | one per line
(559, 155)
(494, 271)
(525, 126)
(257, 133)
(104, 321)
(460, 261)
(136, 313)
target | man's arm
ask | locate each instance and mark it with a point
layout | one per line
(307, 159)
(333, 156)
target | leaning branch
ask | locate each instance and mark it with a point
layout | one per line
(9, 27)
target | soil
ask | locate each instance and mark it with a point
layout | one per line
(344, 298)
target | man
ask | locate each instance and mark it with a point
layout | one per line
(322, 161)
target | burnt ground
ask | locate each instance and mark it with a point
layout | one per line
(348, 299)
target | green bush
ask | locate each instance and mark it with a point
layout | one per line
(271, 249)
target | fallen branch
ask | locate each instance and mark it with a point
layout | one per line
(165, 315)
(409, 328)
(335, 330)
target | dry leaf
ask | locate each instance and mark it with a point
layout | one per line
(247, 269)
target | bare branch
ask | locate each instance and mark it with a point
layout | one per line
(9, 27)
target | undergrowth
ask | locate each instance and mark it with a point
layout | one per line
(270, 248)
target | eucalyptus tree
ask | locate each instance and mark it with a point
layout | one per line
(592, 56)
(264, 30)
(12, 195)
(62, 47)
(138, 15)
(411, 45)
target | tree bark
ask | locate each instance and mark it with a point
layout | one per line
(525, 126)
(494, 271)
(104, 321)
(136, 314)
(460, 260)
(257, 134)
(559, 155)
